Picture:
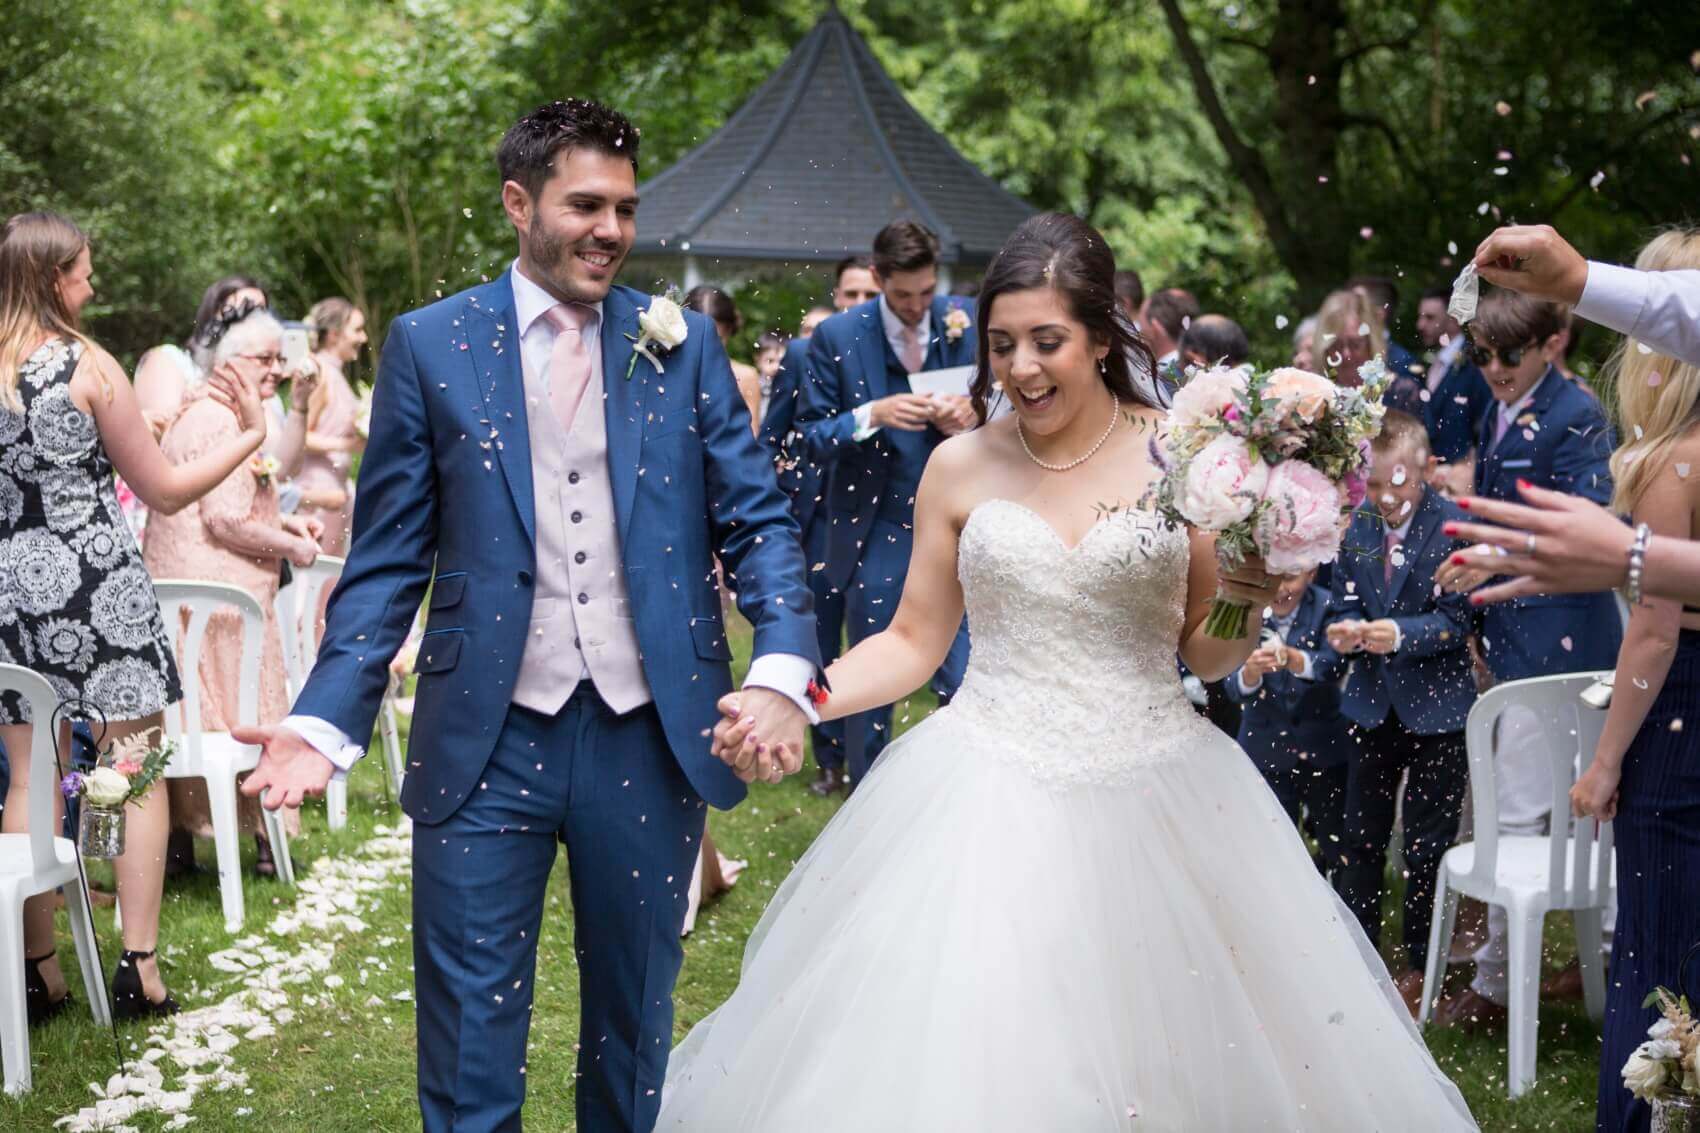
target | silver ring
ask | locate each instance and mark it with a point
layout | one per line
(1529, 545)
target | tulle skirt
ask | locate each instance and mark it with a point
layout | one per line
(967, 947)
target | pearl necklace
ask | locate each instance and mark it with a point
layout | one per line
(1115, 415)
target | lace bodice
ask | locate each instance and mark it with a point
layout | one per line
(1072, 671)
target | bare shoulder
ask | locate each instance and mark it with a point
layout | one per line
(97, 375)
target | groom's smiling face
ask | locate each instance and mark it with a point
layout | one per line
(577, 232)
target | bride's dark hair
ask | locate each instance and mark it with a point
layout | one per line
(1057, 250)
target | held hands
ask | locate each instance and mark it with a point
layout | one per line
(240, 394)
(761, 736)
(290, 768)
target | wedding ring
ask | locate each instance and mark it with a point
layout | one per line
(1529, 545)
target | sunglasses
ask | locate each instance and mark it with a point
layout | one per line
(1510, 358)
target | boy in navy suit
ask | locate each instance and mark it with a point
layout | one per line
(1409, 688)
(1291, 725)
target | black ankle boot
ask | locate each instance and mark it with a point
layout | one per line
(37, 1004)
(129, 1001)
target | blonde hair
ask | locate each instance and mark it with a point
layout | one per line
(1656, 413)
(1346, 314)
(328, 317)
(35, 248)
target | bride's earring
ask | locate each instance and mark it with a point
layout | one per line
(1104, 366)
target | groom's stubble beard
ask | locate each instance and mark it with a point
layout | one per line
(551, 254)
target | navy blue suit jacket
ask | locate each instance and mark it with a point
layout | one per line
(849, 364)
(1402, 363)
(1561, 441)
(800, 477)
(446, 491)
(1456, 409)
(1287, 716)
(1427, 681)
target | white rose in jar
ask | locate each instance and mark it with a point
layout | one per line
(105, 787)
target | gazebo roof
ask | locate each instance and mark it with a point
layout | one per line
(823, 155)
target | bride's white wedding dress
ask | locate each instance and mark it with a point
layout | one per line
(1063, 903)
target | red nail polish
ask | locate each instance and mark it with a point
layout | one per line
(1464, 504)
(1523, 485)
(1475, 599)
(1457, 560)
(1450, 529)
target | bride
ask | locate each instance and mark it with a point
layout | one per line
(1174, 962)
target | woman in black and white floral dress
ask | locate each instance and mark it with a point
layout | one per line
(76, 605)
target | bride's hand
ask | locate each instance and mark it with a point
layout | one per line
(737, 745)
(1249, 582)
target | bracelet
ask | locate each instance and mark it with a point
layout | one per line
(1637, 562)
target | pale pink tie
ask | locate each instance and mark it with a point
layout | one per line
(913, 356)
(569, 360)
(1505, 417)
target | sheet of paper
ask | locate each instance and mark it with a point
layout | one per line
(951, 381)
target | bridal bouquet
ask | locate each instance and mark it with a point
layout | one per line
(1668, 1063)
(1271, 462)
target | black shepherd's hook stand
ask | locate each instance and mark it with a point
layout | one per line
(67, 714)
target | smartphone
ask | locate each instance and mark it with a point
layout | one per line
(295, 346)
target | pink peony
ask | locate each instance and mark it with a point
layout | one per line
(1207, 397)
(1301, 394)
(1301, 526)
(1222, 485)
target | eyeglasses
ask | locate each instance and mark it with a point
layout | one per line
(266, 360)
(1511, 358)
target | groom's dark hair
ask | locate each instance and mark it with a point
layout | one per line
(529, 148)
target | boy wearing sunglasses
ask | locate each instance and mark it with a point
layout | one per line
(1543, 430)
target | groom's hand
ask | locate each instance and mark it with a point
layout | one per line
(290, 768)
(761, 736)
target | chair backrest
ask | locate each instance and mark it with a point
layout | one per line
(44, 768)
(298, 616)
(200, 601)
(1571, 733)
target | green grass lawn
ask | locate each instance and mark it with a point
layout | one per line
(345, 1063)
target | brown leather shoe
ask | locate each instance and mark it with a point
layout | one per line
(1410, 986)
(1566, 983)
(1470, 1011)
(827, 783)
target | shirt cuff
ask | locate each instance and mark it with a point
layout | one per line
(787, 674)
(328, 740)
(865, 427)
(1398, 636)
(1614, 297)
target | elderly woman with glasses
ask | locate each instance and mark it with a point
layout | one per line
(235, 535)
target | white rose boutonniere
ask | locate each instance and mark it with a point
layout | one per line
(956, 322)
(264, 466)
(661, 327)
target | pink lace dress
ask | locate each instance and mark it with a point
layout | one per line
(232, 535)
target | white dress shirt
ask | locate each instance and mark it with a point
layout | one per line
(893, 327)
(1659, 308)
(1443, 359)
(784, 673)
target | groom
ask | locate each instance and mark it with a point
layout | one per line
(564, 504)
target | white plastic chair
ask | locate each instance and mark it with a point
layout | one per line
(32, 863)
(297, 614)
(1569, 869)
(215, 756)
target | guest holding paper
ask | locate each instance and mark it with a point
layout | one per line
(863, 422)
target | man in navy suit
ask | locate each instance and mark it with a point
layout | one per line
(564, 505)
(1409, 689)
(863, 423)
(804, 479)
(1458, 396)
(1291, 726)
(1547, 431)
